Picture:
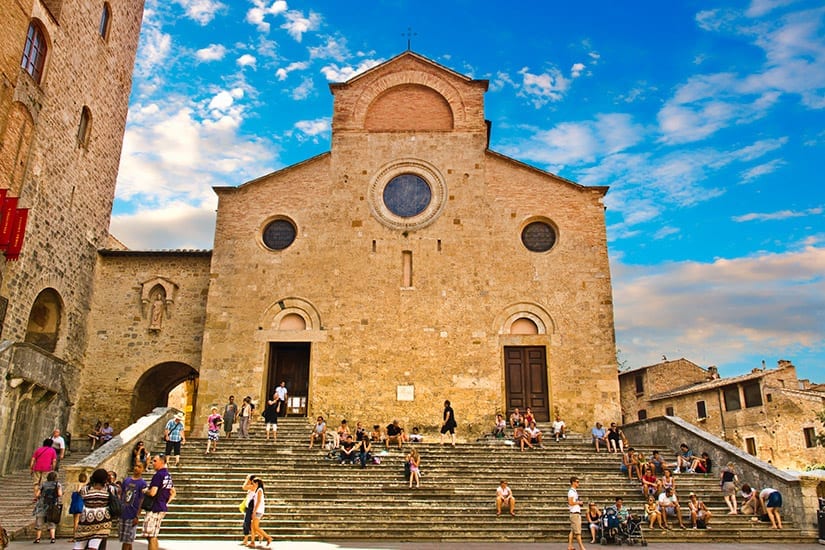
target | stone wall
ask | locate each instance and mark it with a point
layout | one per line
(130, 367)
(799, 496)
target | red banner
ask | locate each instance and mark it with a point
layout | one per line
(7, 215)
(18, 233)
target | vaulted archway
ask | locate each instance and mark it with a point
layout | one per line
(154, 386)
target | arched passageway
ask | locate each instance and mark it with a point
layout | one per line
(153, 388)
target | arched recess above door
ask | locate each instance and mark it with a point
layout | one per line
(512, 314)
(290, 318)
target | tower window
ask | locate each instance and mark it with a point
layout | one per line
(34, 54)
(105, 21)
(84, 129)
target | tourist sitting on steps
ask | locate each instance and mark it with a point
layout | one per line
(94, 435)
(319, 433)
(340, 434)
(521, 438)
(534, 434)
(395, 434)
(375, 435)
(599, 437)
(347, 453)
(684, 459)
(559, 430)
(699, 513)
(516, 419)
(504, 497)
(500, 427)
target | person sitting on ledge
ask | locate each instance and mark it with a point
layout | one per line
(94, 435)
(395, 434)
(106, 433)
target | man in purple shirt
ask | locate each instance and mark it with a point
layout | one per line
(161, 489)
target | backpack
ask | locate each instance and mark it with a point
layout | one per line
(54, 508)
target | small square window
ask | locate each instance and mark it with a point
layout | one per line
(643, 414)
(810, 437)
(750, 445)
(701, 410)
(669, 411)
(640, 384)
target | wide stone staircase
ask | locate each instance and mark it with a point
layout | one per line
(310, 497)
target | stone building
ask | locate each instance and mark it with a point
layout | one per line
(66, 76)
(769, 413)
(408, 265)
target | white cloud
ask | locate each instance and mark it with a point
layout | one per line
(543, 88)
(718, 311)
(312, 128)
(283, 72)
(334, 73)
(213, 52)
(246, 60)
(576, 70)
(222, 101)
(258, 13)
(154, 46)
(758, 8)
(177, 225)
(202, 11)
(501, 80)
(297, 23)
(303, 90)
(334, 48)
(762, 170)
(779, 215)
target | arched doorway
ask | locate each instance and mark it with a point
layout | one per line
(154, 386)
(43, 329)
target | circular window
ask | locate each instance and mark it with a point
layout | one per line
(407, 195)
(279, 234)
(538, 236)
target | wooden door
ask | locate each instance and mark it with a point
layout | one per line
(289, 361)
(525, 373)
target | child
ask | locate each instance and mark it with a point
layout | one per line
(414, 460)
(76, 507)
(132, 496)
(416, 437)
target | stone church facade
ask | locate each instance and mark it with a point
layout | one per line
(408, 265)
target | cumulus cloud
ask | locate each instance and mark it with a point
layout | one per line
(154, 46)
(213, 52)
(319, 126)
(297, 23)
(202, 11)
(719, 311)
(257, 14)
(246, 60)
(303, 90)
(334, 48)
(334, 73)
(576, 70)
(283, 72)
(540, 89)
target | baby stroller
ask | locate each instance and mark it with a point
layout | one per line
(613, 531)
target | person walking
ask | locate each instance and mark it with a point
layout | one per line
(728, 480)
(230, 412)
(282, 394)
(44, 460)
(47, 497)
(163, 491)
(95, 519)
(271, 415)
(574, 506)
(174, 437)
(258, 513)
(449, 423)
(213, 430)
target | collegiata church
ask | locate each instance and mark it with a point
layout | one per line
(408, 265)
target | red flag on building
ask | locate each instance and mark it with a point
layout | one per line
(18, 234)
(8, 211)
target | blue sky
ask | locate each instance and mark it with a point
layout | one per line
(706, 119)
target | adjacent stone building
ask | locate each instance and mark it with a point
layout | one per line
(64, 90)
(769, 413)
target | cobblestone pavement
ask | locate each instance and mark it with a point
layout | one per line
(63, 544)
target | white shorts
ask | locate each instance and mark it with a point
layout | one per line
(271, 427)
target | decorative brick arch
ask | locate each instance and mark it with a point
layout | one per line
(291, 306)
(450, 94)
(524, 310)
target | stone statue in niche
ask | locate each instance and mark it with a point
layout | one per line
(157, 311)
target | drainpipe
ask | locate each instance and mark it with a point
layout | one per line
(721, 414)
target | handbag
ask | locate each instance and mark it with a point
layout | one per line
(53, 512)
(76, 507)
(242, 506)
(115, 506)
(147, 502)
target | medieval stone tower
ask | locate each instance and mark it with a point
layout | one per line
(66, 77)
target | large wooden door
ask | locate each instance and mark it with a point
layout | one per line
(289, 361)
(525, 373)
